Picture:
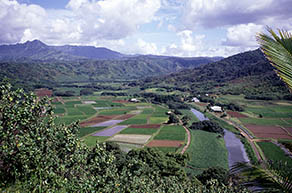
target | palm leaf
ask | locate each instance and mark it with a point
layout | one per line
(275, 177)
(278, 50)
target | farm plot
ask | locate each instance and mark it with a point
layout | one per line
(143, 131)
(107, 123)
(72, 103)
(136, 139)
(92, 140)
(165, 143)
(86, 109)
(236, 114)
(73, 111)
(110, 131)
(68, 120)
(274, 153)
(265, 122)
(87, 130)
(268, 131)
(157, 120)
(206, 150)
(138, 119)
(95, 120)
(151, 126)
(88, 102)
(115, 111)
(59, 110)
(173, 132)
(272, 111)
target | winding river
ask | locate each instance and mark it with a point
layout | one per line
(236, 151)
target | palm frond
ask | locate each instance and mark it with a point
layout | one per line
(275, 177)
(278, 50)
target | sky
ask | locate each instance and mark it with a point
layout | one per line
(187, 28)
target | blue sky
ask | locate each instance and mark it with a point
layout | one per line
(166, 27)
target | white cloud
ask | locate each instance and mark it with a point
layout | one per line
(144, 47)
(83, 21)
(243, 35)
(217, 13)
(17, 20)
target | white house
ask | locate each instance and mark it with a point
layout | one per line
(134, 100)
(196, 100)
(216, 109)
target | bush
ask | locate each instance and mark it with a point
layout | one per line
(207, 126)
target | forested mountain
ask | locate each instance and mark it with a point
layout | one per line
(35, 62)
(246, 73)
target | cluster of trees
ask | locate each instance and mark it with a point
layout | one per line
(36, 155)
(207, 125)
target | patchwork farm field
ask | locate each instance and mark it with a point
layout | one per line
(132, 125)
(264, 119)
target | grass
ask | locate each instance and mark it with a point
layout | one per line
(87, 130)
(206, 150)
(189, 114)
(92, 140)
(72, 111)
(133, 121)
(274, 153)
(272, 111)
(69, 119)
(142, 131)
(147, 111)
(59, 110)
(87, 109)
(114, 112)
(173, 132)
(158, 120)
(265, 122)
(72, 103)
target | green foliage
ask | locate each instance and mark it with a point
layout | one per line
(218, 173)
(173, 119)
(207, 126)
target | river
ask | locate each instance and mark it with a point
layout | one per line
(236, 151)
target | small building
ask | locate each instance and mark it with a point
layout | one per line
(134, 100)
(196, 100)
(216, 109)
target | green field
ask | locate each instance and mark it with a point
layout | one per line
(274, 153)
(114, 112)
(190, 115)
(87, 130)
(157, 120)
(142, 131)
(266, 122)
(59, 110)
(86, 109)
(271, 111)
(69, 119)
(92, 140)
(133, 121)
(74, 111)
(206, 150)
(173, 132)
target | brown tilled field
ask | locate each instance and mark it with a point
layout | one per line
(148, 126)
(236, 114)
(268, 131)
(165, 143)
(97, 119)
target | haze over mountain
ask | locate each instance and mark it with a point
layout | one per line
(37, 62)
